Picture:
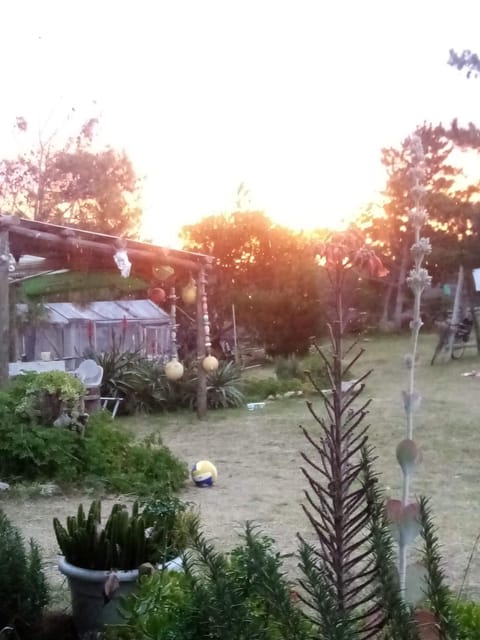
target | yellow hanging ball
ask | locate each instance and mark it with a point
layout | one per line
(189, 293)
(210, 363)
(204, 473)
(174, 369)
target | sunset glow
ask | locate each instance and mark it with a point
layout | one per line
(294, 99)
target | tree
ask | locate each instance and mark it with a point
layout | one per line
(449, 199)
(75, 185)
(465, 60)
(265, 270)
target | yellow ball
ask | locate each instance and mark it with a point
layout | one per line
(204, 473)
(174, 369)
(210, 363)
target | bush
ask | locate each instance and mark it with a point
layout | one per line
(145, 388)
(468, 618)
(48, 395)
(23, 587)
(220, 596)
(288, 368)
(258, 389)
(107, 456)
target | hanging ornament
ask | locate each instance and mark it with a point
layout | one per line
(189, 292)
(157, 295)
(174, 369)
(210, 363)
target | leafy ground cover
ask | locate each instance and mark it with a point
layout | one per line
(257, 455)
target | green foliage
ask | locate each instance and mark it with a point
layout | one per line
(43, 397)
(288, 367)
(126, 540)
(107, 456)
(263, 272)
(75, 183)
(436, 592)
(143, 384)
(237, 596)
(258, 389)
(468, 619)
(161, 609)
(223, 387)
(23, 587)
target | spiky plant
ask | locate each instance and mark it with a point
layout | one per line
(403, 513)
(341, 574)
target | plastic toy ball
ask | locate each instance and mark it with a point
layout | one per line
(204, 473)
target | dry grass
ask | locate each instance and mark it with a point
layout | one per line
(257, 455)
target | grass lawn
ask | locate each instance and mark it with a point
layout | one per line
(257, 455)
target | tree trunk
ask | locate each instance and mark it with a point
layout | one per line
(400, 299)
(386, 303)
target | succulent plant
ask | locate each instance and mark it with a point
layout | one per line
(148, 534)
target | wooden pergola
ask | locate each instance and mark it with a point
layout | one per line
(79, 250)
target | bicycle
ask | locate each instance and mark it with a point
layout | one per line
(461, 337)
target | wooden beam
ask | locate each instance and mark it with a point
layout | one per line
(41, 243)
(4, 308)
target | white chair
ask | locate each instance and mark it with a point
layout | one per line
(90, 373)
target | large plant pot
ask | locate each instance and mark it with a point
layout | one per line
(89, 610)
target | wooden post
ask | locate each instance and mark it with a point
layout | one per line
(4, 308)
(202, 376)
(456, 311)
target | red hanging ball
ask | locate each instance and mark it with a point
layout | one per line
(157, 295)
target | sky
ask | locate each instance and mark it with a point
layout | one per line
(293, 98)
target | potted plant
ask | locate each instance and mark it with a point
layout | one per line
(102, 561)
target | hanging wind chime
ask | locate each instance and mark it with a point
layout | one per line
(173, 368)
(210, 362)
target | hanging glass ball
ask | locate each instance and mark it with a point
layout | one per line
(189, 293)
(174, 369)
(210, 363)
(157, 295)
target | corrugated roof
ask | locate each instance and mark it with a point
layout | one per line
(104, 311)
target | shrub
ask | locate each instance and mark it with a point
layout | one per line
(23, 587)
(107, 456)
(146, 389)
(220, 596)
(287, 368)
(223, 387)
(43, 397)
(468, 618)
(258, 389)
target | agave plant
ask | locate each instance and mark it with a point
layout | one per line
(223, 387)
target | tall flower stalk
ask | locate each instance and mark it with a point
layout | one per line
(405, 514)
